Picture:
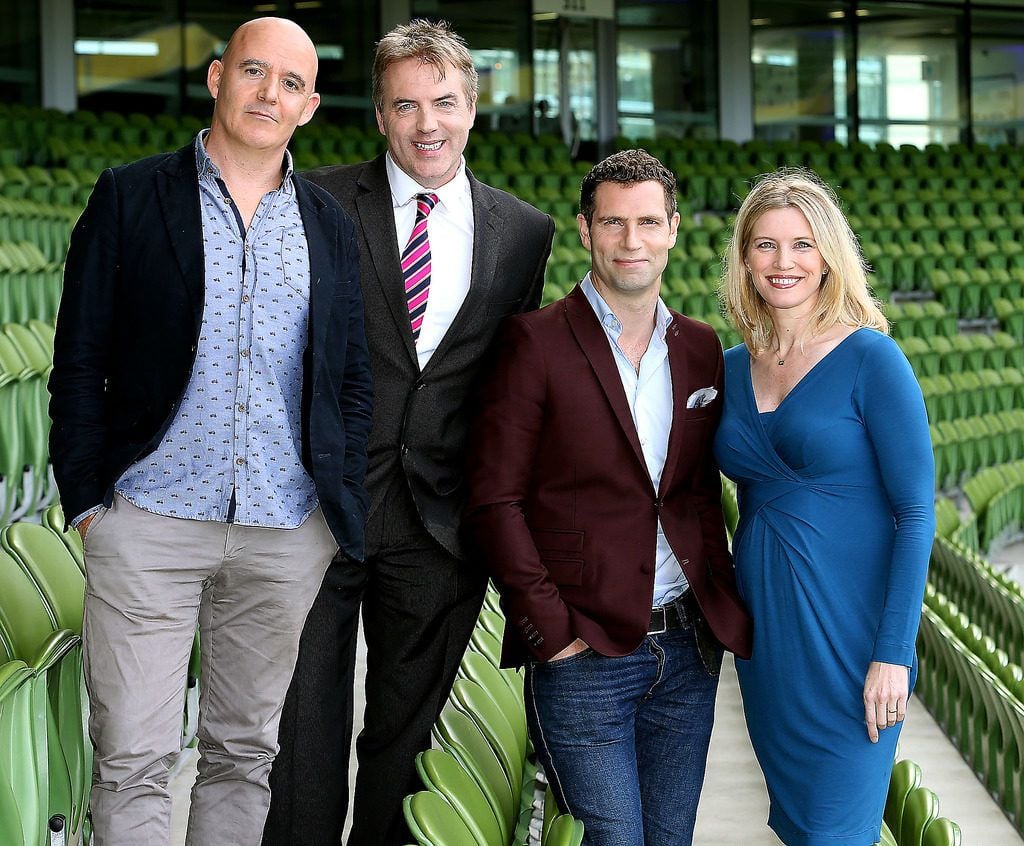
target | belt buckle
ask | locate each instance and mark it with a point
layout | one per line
(663, 611)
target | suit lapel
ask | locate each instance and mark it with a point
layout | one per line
(594, 342)
(680, 381)
(177, 192)
(486, 232)
(376, 213)
(319, 221)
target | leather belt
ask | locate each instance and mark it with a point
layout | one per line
(673, 615)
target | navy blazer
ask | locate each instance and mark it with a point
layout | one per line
(129, 323)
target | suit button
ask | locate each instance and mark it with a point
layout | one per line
(658, 503)
(420, 386)
(405, 449)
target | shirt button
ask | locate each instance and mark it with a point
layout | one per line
(227, 200)
(245, 297)
(244, 353)
(241, 407)
(239, 461)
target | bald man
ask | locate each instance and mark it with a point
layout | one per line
(211, 407)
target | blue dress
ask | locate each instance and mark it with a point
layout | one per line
(836, 497)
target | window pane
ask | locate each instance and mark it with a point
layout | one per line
(19, 54)
(128, 55)
(908, 74)
(798, 54)
(997, 77)
(667, 69)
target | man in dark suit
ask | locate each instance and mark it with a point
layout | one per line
(428, 231)
(211, 407)
(595, 502)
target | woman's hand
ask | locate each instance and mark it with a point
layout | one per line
(886, 689)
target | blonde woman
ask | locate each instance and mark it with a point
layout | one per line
(825, 433)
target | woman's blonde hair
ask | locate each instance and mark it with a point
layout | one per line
(843, 298)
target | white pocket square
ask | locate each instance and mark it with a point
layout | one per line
(701, 398)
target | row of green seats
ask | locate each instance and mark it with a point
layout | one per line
(996, 496)
(981, 715)
(30, 286)
(940, 354)
(46, 763)
(922, 267)
(26, 483)
(972, 392)
(974, 293)
(959, 165)
(45, 225)
(988, 597)
(911, 816)
(964, 446)
(1011, 315)
(920, 319)
(481, 784)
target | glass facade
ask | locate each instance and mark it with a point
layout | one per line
(667, 69)
(19, 54)
(129, 55)
(800, 55)
(909, 72)
(152, 55)
(902, 72)
(997, 76)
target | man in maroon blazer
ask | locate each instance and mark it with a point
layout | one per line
(595, 501)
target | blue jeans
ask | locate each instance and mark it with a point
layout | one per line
(624, 741)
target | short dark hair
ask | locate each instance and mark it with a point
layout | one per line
(627, 167)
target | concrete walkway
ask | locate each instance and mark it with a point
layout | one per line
(734, 805)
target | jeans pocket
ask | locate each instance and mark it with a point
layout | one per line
(575, 658)
(710, 650)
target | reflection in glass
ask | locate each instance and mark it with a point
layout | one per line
(667, 69)
(799, 64)
(908, 74)
(19, 54)
(565, 72)
(997, 77)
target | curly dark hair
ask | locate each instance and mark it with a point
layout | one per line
(627, 167)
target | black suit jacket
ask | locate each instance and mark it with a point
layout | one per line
(420, 420)
(129, 323)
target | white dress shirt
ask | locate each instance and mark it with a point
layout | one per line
(450, 230)
(649, 396)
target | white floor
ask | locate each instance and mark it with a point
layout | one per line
(734, 805)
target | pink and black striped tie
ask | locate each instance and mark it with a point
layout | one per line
(416, 263)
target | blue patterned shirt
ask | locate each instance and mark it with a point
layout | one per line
(233, 451)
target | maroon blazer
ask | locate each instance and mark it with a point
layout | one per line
(561, 507)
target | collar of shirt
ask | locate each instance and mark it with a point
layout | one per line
(612, 325)
(206, 167)
(454, 195)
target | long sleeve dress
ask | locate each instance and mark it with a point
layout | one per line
(836, 497)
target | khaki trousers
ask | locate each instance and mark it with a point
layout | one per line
(149, 580)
